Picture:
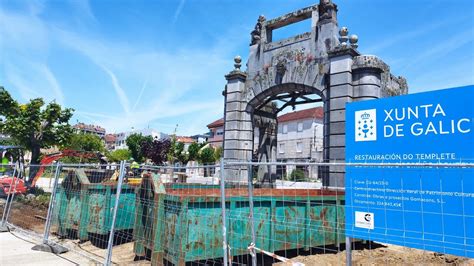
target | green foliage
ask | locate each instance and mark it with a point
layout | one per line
(34, 125)
(40, 199)
(119, 155)
(297, 175)
(180, 154)
(134, 143)
(85, 142)
(218, 154)
(8, 142)
(206, 155)
(193, 151)
(171, 152)
(43, 199)
(176, 152)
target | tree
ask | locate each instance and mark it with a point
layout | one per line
(171, 152)
(135, 142)
(157, 151)
(85, 142)
(193, 151)
(180, 154)
(8, 142)
(206, 155)
(297, 175)
(34, 125)
(119, 155)
(217, 154)
(176, 152)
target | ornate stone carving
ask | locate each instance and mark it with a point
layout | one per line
(280, 71)
(327, 10)
(256, 34)
(309, 63)
(369, 61)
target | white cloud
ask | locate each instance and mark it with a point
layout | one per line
(139, 98)
(24, 44)
(53, 83)
(171, 80)
(457, 75)
(26, 93)
(182, 86)
(123, 99)
(32, 79)
(178, 11)
(385, 42)
(441, 49)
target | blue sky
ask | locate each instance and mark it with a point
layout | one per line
(124, 64)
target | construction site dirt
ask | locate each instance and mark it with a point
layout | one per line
(26, 216)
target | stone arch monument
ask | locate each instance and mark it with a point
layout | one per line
(323, 62)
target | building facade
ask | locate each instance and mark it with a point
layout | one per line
(300, 139)
(200, 138)
(110, 140)
(90, 129)
(216, 133)
(186, 141)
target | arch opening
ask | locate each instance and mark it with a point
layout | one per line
(282, 136)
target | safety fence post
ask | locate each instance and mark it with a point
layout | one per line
(46, 245)
(110, 243)
(251, 214)
(8, 203)
(348, 251)
(224, 228)
(52, 204)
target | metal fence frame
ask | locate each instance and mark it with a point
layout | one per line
(50, 245)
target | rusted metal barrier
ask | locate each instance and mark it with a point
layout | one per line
(184, 225)
(85, 200)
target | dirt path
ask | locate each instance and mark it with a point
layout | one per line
(382, 255)
(27, 216)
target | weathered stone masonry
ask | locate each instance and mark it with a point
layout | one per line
(320, 62)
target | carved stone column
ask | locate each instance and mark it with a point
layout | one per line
(238, 129)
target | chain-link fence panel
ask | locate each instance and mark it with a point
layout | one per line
(239, 213)
(272, 218)
(26, 198)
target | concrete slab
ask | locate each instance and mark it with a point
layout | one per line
(46, 183)
(15, 249)
(281, 184)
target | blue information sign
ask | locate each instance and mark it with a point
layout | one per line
(429, 208)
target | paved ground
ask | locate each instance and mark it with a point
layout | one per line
(15, 249)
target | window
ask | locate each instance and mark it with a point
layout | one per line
(220, 132)
(299, 146)
(285, 129)
(300, 126)
(281, 148)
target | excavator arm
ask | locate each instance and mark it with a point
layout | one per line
(50, 158)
